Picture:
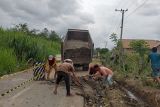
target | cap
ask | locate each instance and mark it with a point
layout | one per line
(50, 57)
(68, 61)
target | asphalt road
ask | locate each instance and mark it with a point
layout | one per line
(36, 93)
(11, 81)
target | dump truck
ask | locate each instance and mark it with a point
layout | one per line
(78, 46)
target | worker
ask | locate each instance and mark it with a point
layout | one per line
(91, 69)
(154, 57)
(104, 73)
(65, 71)
(50, 65)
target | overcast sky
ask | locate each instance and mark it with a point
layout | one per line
(142, 20)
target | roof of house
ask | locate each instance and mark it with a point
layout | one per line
(78, 30)
(151, 43)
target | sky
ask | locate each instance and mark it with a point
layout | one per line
(141, 21)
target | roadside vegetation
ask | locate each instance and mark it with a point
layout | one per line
(20, 46)
(134, 64)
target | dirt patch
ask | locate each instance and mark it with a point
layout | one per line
(114, 98)
(97, 94)
(93, 93)
(149, 94)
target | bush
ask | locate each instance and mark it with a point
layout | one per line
(7, 61)
(28, 46)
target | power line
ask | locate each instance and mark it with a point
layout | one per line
(113, 27)
(137, 8)
(115, 21)
(121, 46)
(130, 5)
(124, 4)
(122, 11)
(118, 26)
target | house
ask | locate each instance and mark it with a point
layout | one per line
(151, 44)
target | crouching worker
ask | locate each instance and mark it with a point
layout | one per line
(65, 71)
(105, 73)
(50, 66)
(91, 69)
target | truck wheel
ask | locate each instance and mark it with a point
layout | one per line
(85, 67)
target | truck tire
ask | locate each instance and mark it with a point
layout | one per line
(85, 67)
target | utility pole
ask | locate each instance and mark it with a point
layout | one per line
(121, 45)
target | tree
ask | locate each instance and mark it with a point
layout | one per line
(103, 51)
(103, 54)
(117, 56)
(141, 47)
(116, 42)
(54, 36)
(114, 38)
(22, 27)
(33, 32)
(44, 33)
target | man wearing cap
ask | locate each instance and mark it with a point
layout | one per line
(64, 71)
(50, 65)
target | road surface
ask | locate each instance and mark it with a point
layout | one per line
(36, 93)
(40, 94)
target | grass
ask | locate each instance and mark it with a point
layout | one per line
(133, 72)
(8, 61)
(18, 47)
